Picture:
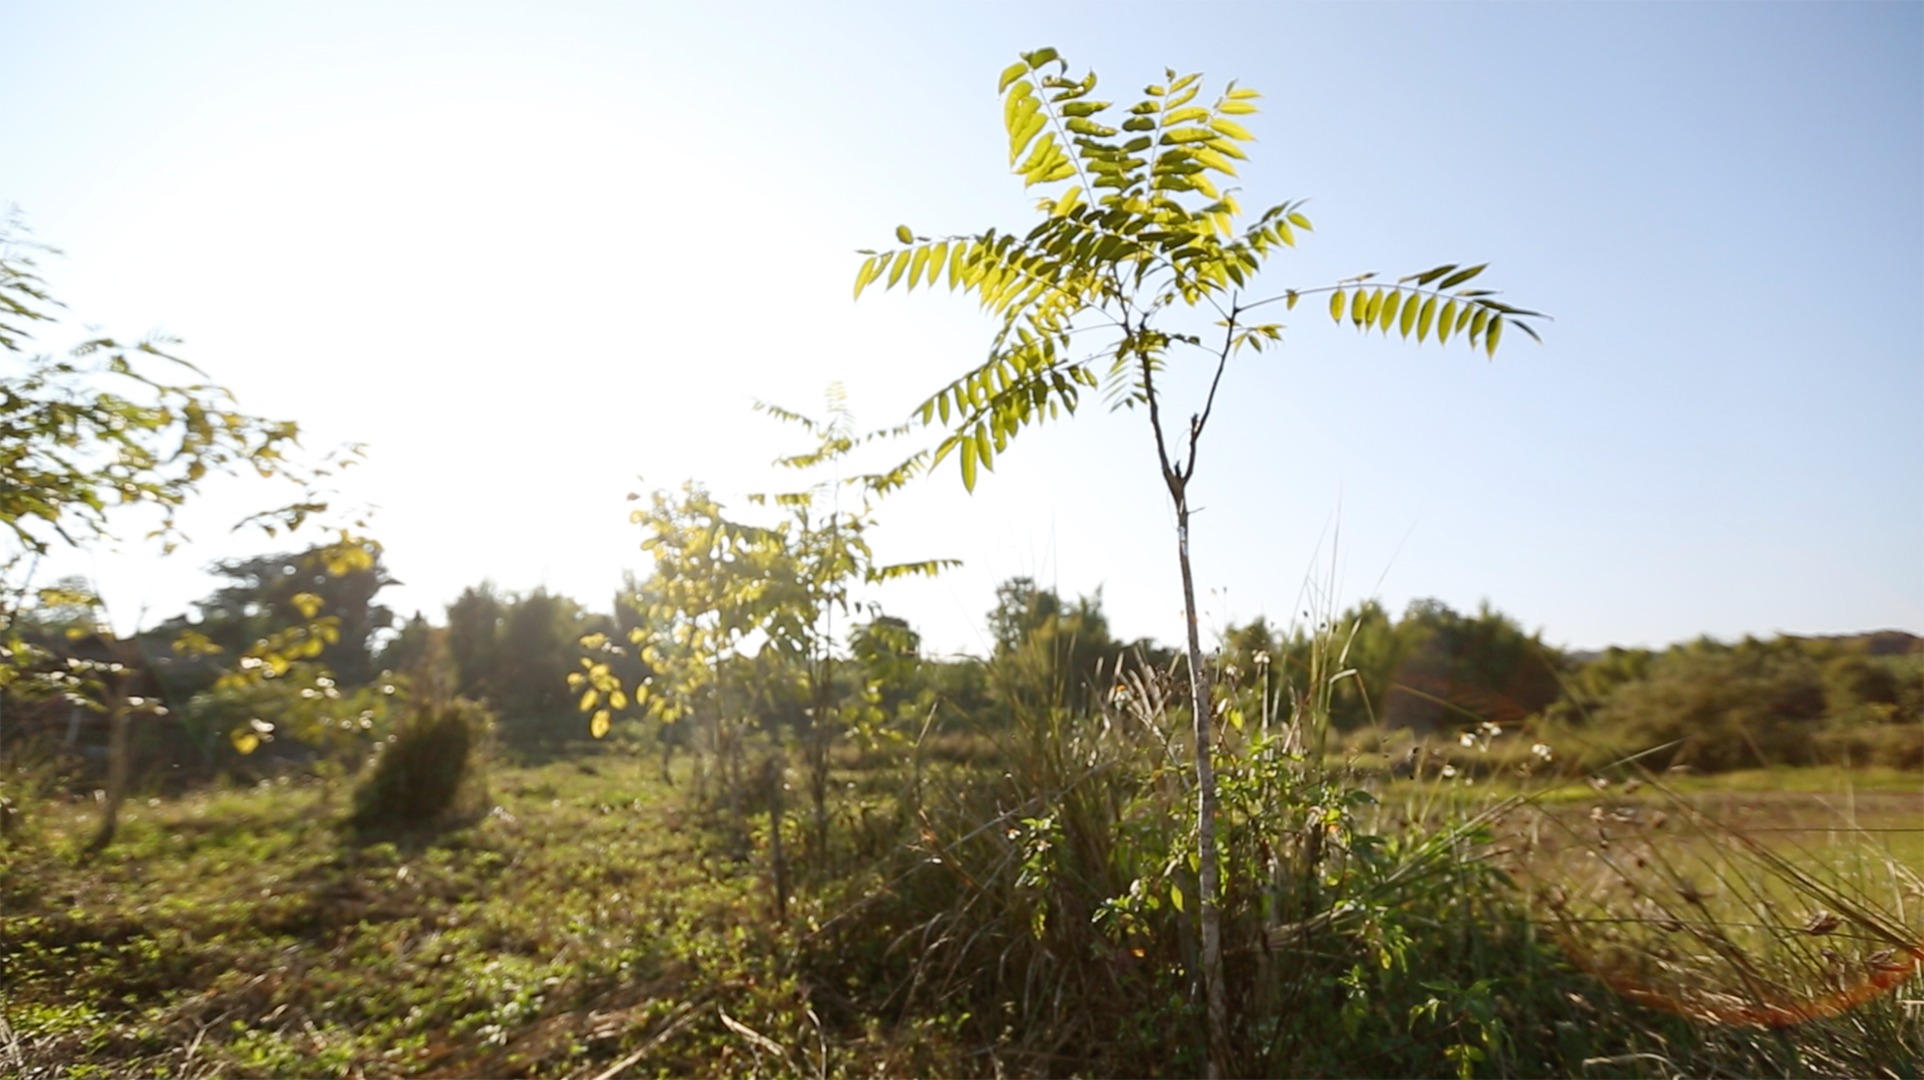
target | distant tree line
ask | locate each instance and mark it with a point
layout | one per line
(1433, 672)
(1846, 700)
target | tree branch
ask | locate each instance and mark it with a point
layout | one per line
(1197, 423)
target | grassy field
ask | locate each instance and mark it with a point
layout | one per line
(593, 924)
(236, 933)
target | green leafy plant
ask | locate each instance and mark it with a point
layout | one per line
(1140, 262)
(108, 424)
(824, 555)
(709, 589)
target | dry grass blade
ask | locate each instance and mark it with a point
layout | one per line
(680, 1018)
(755, 1038)
(1685, 911)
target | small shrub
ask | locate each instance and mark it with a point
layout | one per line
(420, 776)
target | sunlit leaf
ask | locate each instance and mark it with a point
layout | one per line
(1386, 314)
(968, 464)
(938, 261)
(1363, 311)
(1232, 129)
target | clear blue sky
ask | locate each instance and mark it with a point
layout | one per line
(528, 252)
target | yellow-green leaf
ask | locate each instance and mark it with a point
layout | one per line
(1336, 305)
(917, 265)
(938, 260)
(1386, 314)
(1070, 200)
(1175, 895)
(1216, 161)
(1232, 129)
(1010, 74)
(903, 234)
(1028, 125)
(1410, 306)
(598, 724)
(1424, 318)
(1496, 331)
(245, 740)
(901, 263)
(968, 464)
(588, 698)
(1446, 323)
(1477, 324)
(1364, 314)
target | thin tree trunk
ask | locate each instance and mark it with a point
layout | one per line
(816, 749)
(1215, 991)
(117, 766)
(773, 771)
(727, 750)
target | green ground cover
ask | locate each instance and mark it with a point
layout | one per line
(596, 918)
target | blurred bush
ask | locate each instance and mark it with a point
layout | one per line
(428, 772)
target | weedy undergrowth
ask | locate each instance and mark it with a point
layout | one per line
(1040, 917)
(1049, 911)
